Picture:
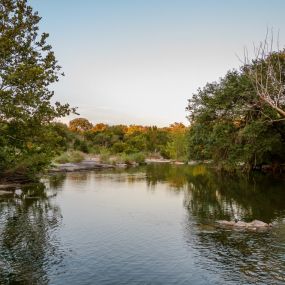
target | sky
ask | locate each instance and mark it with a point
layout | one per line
(138, 61)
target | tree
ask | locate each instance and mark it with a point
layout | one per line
(267, 74)
(80, 125)
(231, 125)
(99, 127)
(157, 139)
(27, 69)
(25, 239)
(177, 146)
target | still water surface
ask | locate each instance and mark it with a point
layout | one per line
(150, 225)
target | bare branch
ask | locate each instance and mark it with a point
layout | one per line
(266, 72)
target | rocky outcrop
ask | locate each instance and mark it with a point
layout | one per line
(80, 166)
(255, 224)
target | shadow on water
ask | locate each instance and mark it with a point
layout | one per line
(28, 222)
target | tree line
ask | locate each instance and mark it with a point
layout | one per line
(237, 122)
(133, 141)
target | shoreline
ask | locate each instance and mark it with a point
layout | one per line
(79, 166)
(91, 164)
(85, 165)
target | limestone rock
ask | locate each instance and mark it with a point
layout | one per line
(255, 224)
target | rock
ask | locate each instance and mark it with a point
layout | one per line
(240, 224)
(157, 160)
(226, 223)
(258, 224)
(122, 165)
(80, 166)
(254, 225)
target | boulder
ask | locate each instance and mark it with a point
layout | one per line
(258, 224)
(255, 224)
(226, 223)
(241, 224)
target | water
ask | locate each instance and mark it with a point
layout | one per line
(150, 225)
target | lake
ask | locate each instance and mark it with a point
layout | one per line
(145, 225)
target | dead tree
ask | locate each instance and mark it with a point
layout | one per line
(267, 73)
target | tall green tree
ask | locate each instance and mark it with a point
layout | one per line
(27, 69)
(232, 125)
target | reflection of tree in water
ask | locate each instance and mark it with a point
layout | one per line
(242, 257)
(56, 181)
(245, 257)
(175, 176)
(211, 197)
(79, 177)
(27, 236)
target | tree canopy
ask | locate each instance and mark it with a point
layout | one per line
(233, 124)
(28, 68)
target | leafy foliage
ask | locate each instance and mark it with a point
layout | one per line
(232, 125)
(80, 125)
(27, 69)
(125, 142)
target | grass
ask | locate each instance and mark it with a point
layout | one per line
(119, 158)
(71, 156)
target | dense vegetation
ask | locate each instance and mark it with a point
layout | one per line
(29, 138)
(27, 68)
(121, 143)
(239, 122)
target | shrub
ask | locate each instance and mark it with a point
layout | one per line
(105, 155)
(138, 157)
(130, 158)
(70, 156)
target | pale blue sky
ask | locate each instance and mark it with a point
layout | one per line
(138, 61)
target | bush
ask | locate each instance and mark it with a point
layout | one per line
(130, 158)
(26, 169)
(81, 145)
(70, 157)
(138, 157)
(105, 155)
(119, 147)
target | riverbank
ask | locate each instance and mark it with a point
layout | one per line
(79, 166)
(85, 164)
(96, 164)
